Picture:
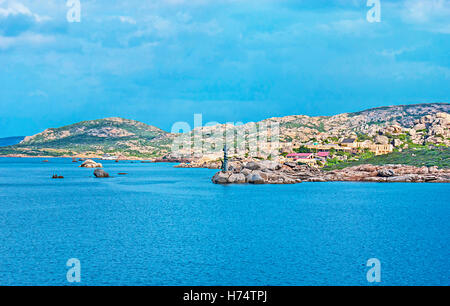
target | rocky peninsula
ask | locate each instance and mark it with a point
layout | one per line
(270, 172)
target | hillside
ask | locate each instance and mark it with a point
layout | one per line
(414, 124)
(115, 136)
(403, 126)
(439, 157)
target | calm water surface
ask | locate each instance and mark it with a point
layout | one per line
(164, 226)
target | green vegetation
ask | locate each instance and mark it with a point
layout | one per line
(402, 137)
(293, 125)
(366, 154)
(105, 136)
(415, 157)
(302, 149)
(363, 137)
(375, 123)
(321, 127)
(332, 162)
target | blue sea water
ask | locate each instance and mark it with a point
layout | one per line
(164, 226)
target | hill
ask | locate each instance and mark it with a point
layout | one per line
(439, 157)
(114, 136)
(419, 124)
(404, 126)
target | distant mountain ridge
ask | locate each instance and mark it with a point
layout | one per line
(424, 123)
(9, 141)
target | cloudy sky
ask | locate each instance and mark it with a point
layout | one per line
(161, 61)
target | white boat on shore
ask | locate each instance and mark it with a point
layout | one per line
(109, 157)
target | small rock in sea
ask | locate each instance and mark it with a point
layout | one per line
(55, 176)
(45, 161)
(122, 173)
(100, 173)
(91, 164)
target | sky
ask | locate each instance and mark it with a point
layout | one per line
(162, 61)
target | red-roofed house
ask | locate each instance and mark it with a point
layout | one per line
(323, 154)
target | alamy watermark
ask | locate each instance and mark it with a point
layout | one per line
(260, 139)
(74, 273)
(74, 12)
(374, 14)
(374, 273)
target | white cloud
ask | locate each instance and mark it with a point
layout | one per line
(424, 11)
(432, 15)
(127, 19)
(26, 39)
(14, 8)
(396, 52)
(345, 26)
(38, 93)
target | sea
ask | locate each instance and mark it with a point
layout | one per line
(159, 225)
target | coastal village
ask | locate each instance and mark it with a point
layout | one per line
(320, 153)
(312, 154)
(319, 147)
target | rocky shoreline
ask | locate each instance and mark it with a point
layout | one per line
(249, 171)
(268, 172)
(98, 157)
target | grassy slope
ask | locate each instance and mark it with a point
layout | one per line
(147, 136)
(420, 157)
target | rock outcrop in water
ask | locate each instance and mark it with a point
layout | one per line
(91, 164)
(389, 173)
(264, 172)
(267, 172)
(100, 173)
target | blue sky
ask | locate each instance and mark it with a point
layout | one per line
(161, 61)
